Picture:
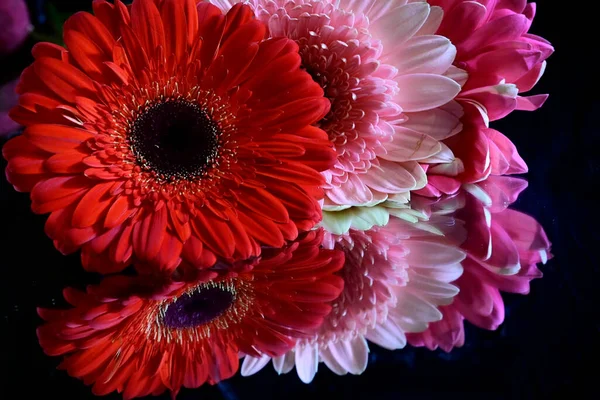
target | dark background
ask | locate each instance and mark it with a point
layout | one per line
(547, 348)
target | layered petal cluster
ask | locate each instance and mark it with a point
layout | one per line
(141, 336)
(169, 130)
(503, 249)
(395, 278)
(502, 61)
(384, 71)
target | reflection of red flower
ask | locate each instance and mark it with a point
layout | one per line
(123, 335)
(503, 249)
(168, 130)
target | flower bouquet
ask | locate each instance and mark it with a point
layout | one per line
(277, 182)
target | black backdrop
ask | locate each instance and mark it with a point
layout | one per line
(547, 347)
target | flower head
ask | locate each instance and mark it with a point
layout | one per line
(166, 130)
(139, 336)
(383, 71)
(503, 249)
(395, 278)
(501, 61)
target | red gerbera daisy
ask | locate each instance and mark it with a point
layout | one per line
(130, 336)
(168, 128)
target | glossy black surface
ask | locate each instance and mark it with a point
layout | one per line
(547, 348)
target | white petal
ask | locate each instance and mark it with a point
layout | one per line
(442, 273)
(336, 222)
(441, 291)
(387, 335)
(400, 24)
(416, 307)
(432, 254)
(389, 177)
(252, 365)
(284, 364)
(307, 362)
(353, 192)
(364, 218)
(352, 355)
(439, 123)
(452, 168)
(456, 74)
(331, 362)
(430, 54)
(434, 20)
(409, 145)
(419, 92)
(478, 192)
(444, 156)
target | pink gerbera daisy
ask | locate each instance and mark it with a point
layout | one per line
(383, 70)
(395, 277)
(503, 249)
(502, 61)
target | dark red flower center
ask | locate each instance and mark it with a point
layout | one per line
(176, 139)
(199, 306)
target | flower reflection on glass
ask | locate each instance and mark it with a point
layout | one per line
(395, 278)
(503, 249)
(285, 182)
(143, 335)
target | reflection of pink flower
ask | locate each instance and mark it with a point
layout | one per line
(15, 23)
(502, 61)
(503, 249)
(395, 278)
(8, 98)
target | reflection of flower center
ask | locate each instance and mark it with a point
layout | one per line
(176, 139)
(199, 306)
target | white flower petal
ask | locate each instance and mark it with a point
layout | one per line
(388, 335)
(307, 362)
(251, 365)
(431, 54)
(352, 355)
(419, 92)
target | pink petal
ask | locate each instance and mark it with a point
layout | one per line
(419, 92)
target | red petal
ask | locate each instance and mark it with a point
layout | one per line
(214, 233)
(56, 138)
(174, 21)
(262, 229)
(91, 207)
(264, 203)
(67, 162)
(119, 211)
(147, 25)
(63, 79)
